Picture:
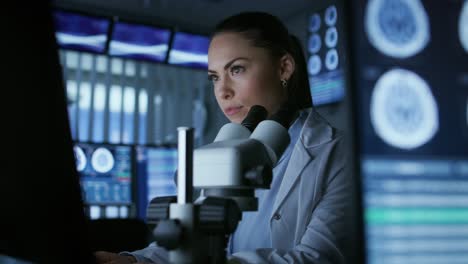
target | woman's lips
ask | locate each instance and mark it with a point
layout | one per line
(232, 110)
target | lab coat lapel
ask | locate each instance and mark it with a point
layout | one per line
(299, 159)
(315, 132)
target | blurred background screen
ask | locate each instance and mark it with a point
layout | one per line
(189, 50)
(326, 53)
(139, 42)
(411, 78)
(81, 32)
(106, 177)
(155, 169)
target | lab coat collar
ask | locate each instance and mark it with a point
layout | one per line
(315, 132)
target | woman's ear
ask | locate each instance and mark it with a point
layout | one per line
(287, 66)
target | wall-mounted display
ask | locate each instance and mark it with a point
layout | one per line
(189, 50)
(129, 40)
(81, 32)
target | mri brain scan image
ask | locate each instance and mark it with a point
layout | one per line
(403, 110)
(80, 158)
(331, 15)
(314, 23)
(314, 65)
(331, 60)
(463, 26)
(315, 43)
(397, 28)
(102, 160)
(331, 37)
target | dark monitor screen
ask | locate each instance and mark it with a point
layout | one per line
(411, 89)
(139, 42)
(189, 50)
(155, 171)
(326, 54)
(105, 172)
(42, 219)
(81, 32)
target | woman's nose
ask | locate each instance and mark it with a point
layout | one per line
(225, 90)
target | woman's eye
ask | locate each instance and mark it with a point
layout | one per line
(212, 78)
(236, 69)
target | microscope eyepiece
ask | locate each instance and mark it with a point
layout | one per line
(257, 114)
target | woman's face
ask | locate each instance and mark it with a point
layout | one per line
(243, 76)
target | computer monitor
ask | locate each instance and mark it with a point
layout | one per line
(155, 172)
(326, 58)
(141, 42)
(106, 176)
(410, 81)
(81, 32)
(42, 217)
(189, 50)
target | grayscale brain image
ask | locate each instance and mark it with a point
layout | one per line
(404, 112)
(397, 28)
(463, 26)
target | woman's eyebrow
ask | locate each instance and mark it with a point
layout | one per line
(230, 63)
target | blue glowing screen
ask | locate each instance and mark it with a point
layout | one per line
(105, 172)
(189, 50)
(80, 32)
(155, 172)
(139, 42)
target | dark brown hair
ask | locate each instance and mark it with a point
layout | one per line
(266, 31)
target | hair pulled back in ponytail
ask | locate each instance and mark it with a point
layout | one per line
(266, 31)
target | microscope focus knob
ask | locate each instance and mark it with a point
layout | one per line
(168, 234)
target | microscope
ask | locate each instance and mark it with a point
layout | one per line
(226, 172)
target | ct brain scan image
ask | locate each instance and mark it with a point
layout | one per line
(102, 160)
(403, 110)
(314, 23)
(331, 60)
(331, 15)
(397, 28)
(314, 65)
(80, 158)
(331, 37)
(315, 43)
(463, 26)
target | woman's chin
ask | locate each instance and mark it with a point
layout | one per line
(236, 120)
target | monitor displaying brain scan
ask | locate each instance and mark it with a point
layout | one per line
(326, 56)
(105, 172)
(411, 85)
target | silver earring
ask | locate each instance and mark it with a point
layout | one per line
(284, 83)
